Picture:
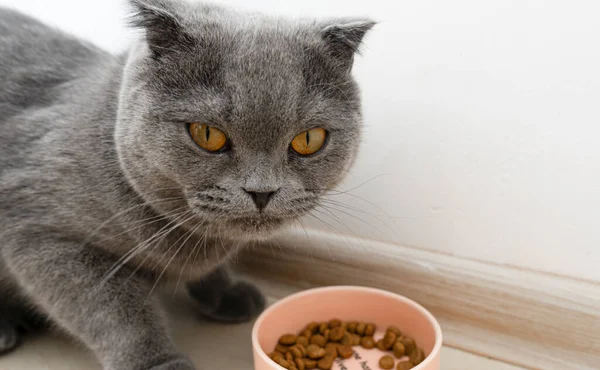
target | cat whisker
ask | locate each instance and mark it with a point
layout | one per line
(133, 252)
(153, 220)
(121, 213)
(352, 233)
(187, 259)
(347, 209)
(336, 192)
(190, 232)
(347, 241)
(196, 249)
(172, 257)
(332, 230)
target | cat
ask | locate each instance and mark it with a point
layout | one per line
(121, 173)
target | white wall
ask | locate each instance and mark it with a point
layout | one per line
(483, 121)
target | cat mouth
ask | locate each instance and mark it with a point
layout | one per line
(256, 225)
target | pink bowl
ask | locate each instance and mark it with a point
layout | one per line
(292, 314)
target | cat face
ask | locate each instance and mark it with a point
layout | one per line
(243, 120)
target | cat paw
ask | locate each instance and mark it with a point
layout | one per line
(9, 336)
(239, 303)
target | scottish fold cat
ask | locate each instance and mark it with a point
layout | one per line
(123, 173)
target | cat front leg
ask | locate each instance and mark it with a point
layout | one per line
(220, 297)
(115, 317)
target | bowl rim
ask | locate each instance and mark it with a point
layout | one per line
(436, 326)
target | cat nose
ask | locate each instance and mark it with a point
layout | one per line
(261, 199)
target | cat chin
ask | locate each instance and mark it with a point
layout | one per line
(252, 229)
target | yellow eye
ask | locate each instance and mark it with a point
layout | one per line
(208, 137)
(309, 142)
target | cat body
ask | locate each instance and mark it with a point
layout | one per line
(103, 193)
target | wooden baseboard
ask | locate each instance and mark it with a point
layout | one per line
(530, 319)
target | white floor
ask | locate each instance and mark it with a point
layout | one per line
(211, 346)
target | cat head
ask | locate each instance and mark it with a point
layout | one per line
(243, 119)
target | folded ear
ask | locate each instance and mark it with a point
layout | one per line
(344, 37)
(161, 21)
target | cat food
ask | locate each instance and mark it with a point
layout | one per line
(417, 356)
(394, 330)
(318, 345)
(404, 365)
(367, 342)
(355, 339)
(326, 363)
(388, 340)
(399, 350)
(319, 340)
(336, 334)
(334, 323)
(300, 364)
(409, 344)
(314, 352)
(303, 341)
(387, 362)
(345, 351)
(370, 330)
(310, 364)
(287, 340)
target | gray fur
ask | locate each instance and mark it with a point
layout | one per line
(104, 196)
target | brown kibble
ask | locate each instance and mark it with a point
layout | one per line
(351, 326)
(302, 349)
(404, 365)
(409, 344)
(388, 340)
(331, 349)
(310, 364)
(387, 362)
(345, 351)
(367, 342)
(417, 356)
(334, 323)
(300, 364)
(296, 351)
(302, 341)
(319, 340)
(336, 334)
(323, 328)
(394, 330)
(319, 344)
(289, 358)
(326, 363)
(315, 352)
(399, 350)
(370, 330)
(273, 355)
(313, 327)
(346, 339)
(360, 328)
(282, 362)
(287, 340)
(282, 349)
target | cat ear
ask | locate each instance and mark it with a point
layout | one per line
(344, 37)
(162, 23)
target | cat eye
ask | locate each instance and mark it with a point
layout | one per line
(208, 137)
(310, 141)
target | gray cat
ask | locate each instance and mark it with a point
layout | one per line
(122, 173)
